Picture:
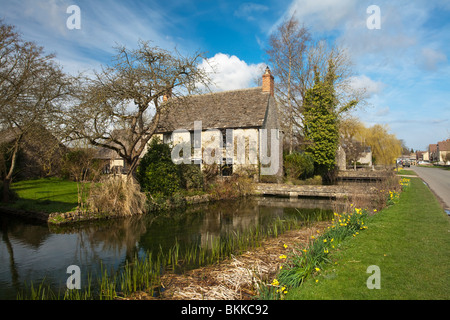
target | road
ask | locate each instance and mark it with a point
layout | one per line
(438, 181)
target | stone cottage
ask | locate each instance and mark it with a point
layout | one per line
(237, 130)
(442, 150)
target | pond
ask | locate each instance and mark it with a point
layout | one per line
(33, 252)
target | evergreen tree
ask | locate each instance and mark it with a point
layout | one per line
(321, 122)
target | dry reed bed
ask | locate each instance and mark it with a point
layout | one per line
(236, 278)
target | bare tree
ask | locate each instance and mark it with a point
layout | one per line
(119, 108)
(288, 55)
(295, 57)
(32, 86)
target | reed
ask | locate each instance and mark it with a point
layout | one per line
(144, 273)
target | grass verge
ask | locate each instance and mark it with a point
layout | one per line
(408, 241)
(406, 172)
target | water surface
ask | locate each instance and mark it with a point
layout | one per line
(32, 252)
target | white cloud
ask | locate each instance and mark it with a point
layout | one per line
(322, 15)
(430, 59)
(247, 10)
(230, 73)
(365, 84)
(382, 112)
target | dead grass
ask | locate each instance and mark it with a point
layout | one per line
(118, 195)
(237, 278)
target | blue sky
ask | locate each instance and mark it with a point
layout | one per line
(404, 65)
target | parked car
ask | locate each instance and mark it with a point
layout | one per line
(406, 163)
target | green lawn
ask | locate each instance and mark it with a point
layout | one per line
(46, 195)
(409, 242)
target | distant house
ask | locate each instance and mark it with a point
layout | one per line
(235, 130)
(366, 157)
(422, 156)
(442, 149)
(111, 161)
(39, 155)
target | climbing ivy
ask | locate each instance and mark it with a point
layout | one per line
(321, 121)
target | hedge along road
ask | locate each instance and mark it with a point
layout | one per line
(438, 181)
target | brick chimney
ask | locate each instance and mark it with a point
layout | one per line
(267, 82)
(167, 95)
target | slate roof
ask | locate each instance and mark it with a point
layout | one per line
(105, 154)
(228, 109)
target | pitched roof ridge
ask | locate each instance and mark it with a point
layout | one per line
(226, 91)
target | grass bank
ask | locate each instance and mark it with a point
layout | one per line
(45, 195)
(409, 242)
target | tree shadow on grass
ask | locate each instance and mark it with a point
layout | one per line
(42, 205)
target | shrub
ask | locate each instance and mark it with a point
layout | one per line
(156, 172)
(117, 196)
(80, 165)
(231, 187)
(191, 177)
(298, 165)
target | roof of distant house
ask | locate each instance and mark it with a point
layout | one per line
(444, 145)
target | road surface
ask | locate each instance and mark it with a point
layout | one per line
(438, 181)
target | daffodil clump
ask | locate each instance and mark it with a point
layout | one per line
(309, 261)
(405, 183)
(393, 197)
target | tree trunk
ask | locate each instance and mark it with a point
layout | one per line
(6, 184)
(8, 179)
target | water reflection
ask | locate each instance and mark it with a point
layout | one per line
(30, 252)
